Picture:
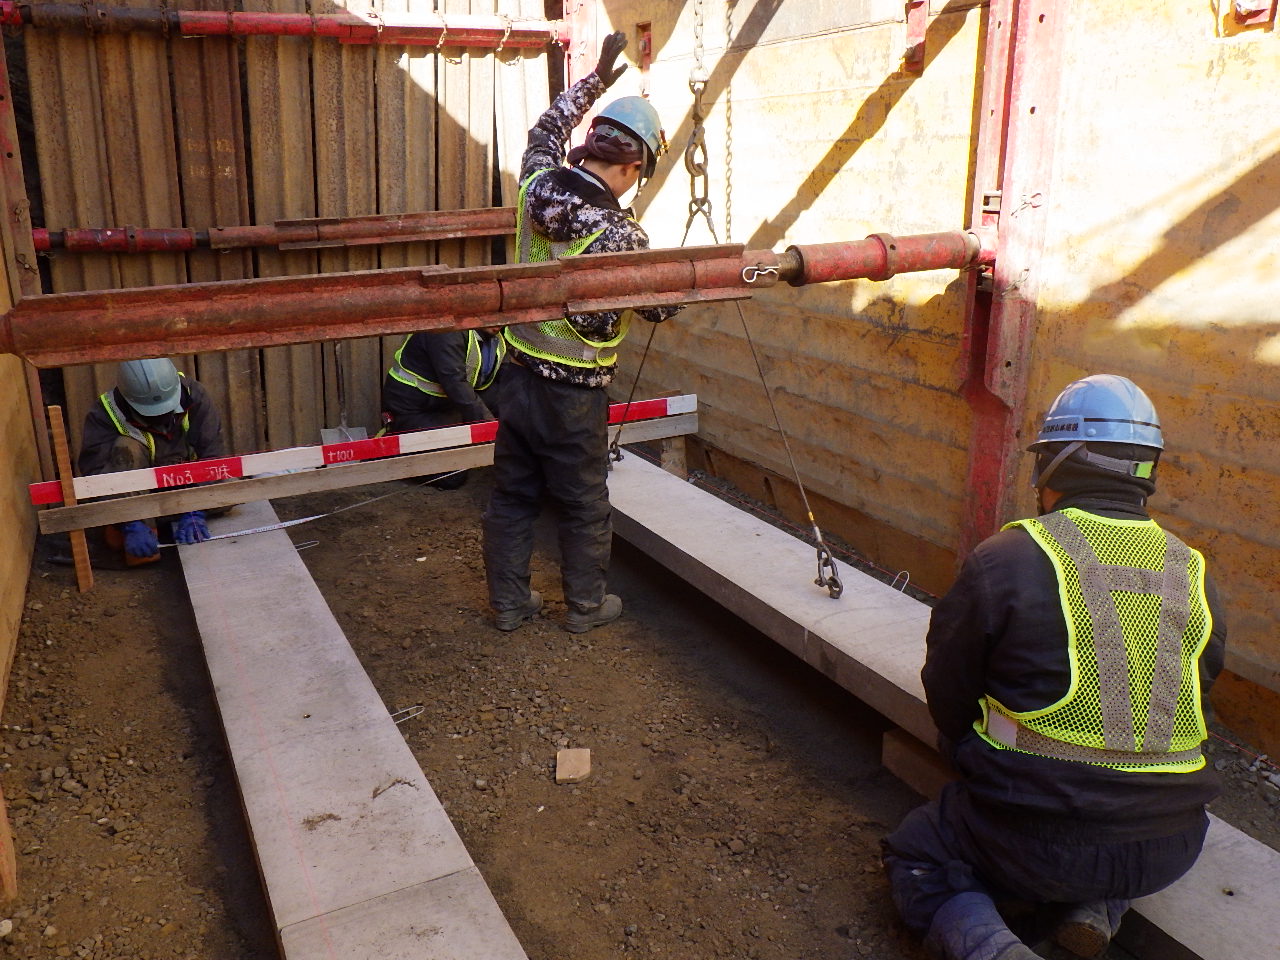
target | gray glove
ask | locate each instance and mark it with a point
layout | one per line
(613, 45)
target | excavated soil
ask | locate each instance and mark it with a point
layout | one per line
(734, 807)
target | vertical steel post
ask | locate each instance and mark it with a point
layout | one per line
(1014, 165)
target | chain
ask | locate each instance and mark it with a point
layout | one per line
(728, 129)
(695, 154)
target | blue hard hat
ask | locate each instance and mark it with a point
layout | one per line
(638, 116)
(150, 386)
(1102, 408)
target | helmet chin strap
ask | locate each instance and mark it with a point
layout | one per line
(1041, 478)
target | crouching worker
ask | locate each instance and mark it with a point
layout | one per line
(442, 378)
(1068, 673)
(154, 417)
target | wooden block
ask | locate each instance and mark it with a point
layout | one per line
(573, 765)
(917, 765)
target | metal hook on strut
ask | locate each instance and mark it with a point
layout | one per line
(827, 576)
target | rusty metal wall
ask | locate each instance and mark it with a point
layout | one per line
(1160, 261)
(143, 130)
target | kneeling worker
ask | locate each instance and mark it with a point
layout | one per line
(1068, 673)
(155, 417)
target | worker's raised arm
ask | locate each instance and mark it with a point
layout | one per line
(549, 136)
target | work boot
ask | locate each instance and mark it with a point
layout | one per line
(1087, 928)
(969, 927)
(580, 621)
(508, 620)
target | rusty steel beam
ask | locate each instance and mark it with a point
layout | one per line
(74, 328)
(494, 32)
(286, 234)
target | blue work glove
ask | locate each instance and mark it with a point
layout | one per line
(190, 528)
(139, 539)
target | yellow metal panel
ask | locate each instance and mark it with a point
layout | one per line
(1164, 267)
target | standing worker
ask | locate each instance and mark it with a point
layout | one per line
(552, 426)
(1068, 673)
(442, 378)
(154, 417)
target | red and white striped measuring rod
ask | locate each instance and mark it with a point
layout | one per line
(323, 455)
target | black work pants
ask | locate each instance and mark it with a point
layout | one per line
(948, 847)
(552, 443)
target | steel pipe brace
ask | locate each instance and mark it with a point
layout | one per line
(881, 256)
(73, 328)
(461, 30)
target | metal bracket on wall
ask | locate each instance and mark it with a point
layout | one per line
(1252, 13)
(917, 21)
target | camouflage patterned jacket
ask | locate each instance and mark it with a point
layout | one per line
(568, 204)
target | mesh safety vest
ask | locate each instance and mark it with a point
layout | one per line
(1137, 621)
(127, 429)
(557, 340)
(483, 363)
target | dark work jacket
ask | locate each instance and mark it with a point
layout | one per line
(1000, 630)
(441, 357)
(203, 439)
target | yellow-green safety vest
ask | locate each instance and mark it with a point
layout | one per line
(406, 376)
(127, 429)
(557, 340)
(1137, 621)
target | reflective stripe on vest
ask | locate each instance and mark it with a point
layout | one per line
(476, 366)
(557, 340)
(1137, 621)
(127, 429)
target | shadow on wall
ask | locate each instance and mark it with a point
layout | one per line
(1218, 219)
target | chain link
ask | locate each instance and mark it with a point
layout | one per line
(695, 153)
(728, 128)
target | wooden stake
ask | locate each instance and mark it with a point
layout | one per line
(62, 454)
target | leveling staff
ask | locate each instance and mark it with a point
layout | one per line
(154, 417)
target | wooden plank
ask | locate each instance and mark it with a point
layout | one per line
(357, 854)
(346, 186)
(62, 69)
(406, 132)
(465, 86)
(278, 77)
(917, 765)
(520, 97)
(872, 644)
(215, 191)
(62, 454)
(167, 502)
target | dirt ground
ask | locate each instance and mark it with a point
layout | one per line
(734, 809)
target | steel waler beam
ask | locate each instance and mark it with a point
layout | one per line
(457, 30)
(73, 328)
(286, 234)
